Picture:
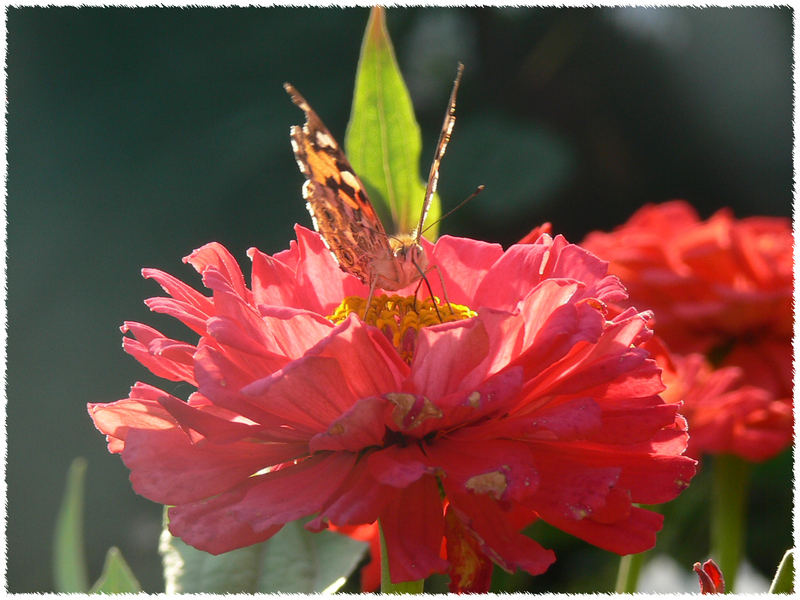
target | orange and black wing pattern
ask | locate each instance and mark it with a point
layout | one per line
(335, 196)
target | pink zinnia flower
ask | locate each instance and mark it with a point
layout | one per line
(722, 288)
(527, 403)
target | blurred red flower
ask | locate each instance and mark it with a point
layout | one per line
(724, 415)
(455, 435)
(721, 293)
(721, 287)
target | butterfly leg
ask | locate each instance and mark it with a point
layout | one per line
(430, 291)
(444, 288)
(416, 292)
(373, 281)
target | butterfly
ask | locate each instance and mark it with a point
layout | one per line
(343, 214)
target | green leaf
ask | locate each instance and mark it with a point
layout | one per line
(783, 583)
(69, 562)
(383, 140)
(294, 560)
(117, 577)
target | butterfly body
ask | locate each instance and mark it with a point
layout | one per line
(343, 214)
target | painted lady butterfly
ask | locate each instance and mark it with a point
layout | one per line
(343, 214)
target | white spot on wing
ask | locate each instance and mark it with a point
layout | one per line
(350, 179)
(324, 140)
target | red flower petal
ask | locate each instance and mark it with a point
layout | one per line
(446, 354)
(320, 284)
(371, 572)
(470, 569)
(512, 277)
(359, 427)
(164, 357)
(360, 499)
(309, 393)
(273, 281)
(711, 580)
(258, 507)
(207, 424)
(498, 538)
(535, 233)
(167, 466)
(216, 256)
(398, 467)
(463, 264)
(413, 526)
(635, 534)
(501, 469)
(208, 526)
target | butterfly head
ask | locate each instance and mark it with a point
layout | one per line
(406, 264)
(407, 249)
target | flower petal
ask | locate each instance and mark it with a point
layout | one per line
(321, 285)
(359, 427)
(273, 281)
(446, 355)
(413, 526)
(216, 256)
(209, 527)
(292, 492)
(164, 357)
(166, 466)
(498, 538)
(635, 534)
(361, 499)
(463, 263)
(470, 569)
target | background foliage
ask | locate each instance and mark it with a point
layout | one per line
(136, 135)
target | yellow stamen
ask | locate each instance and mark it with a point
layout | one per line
(401, 317)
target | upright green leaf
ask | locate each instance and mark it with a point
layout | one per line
(783, 583)
(383, 140)
(69, 562)
(117, 577)
(294, 560)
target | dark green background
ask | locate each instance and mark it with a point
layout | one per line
(136, 135)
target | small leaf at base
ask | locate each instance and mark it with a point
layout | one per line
(294, 560)
(69, 563)
(117, 577)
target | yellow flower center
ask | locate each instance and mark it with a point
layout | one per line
(401, 317)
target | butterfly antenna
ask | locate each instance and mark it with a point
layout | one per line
(441, 146)
(477, 191)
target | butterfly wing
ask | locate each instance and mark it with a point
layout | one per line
(335, 196)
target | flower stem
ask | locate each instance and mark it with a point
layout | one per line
(630, 566)
(387, 587)
(731, 478)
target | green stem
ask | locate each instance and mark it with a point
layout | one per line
(731, 478)
(630, 566)
(387, 587)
